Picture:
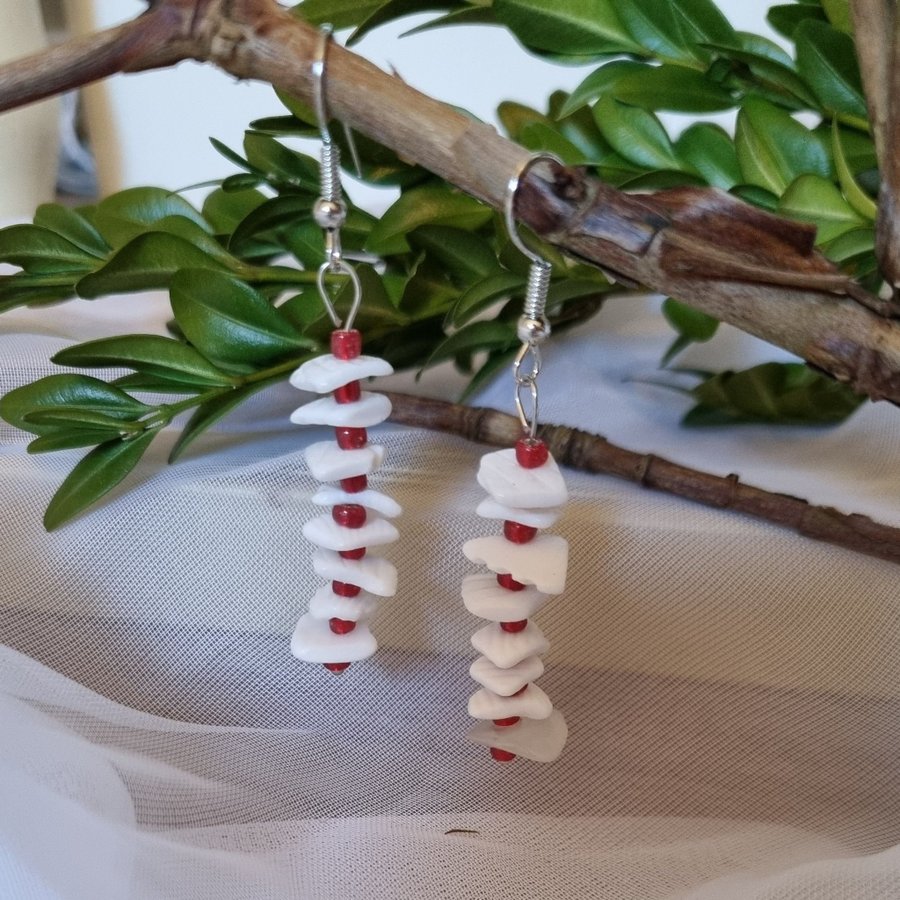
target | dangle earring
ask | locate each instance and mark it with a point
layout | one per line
(525, 491)
(334, 631)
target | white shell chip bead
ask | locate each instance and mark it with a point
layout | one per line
(313, 641)
(323, 531)
(540, 740)
(372, 573)
(328, 462)
(506, 682)
(325, 604)
(505, 648)
(513, 485)
(327, 373)
(370, 409)
(534, 518)
(532, 704)
(328, 495)
(483, 597)
(541, 562)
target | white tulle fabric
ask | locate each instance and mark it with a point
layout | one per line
(732, 690)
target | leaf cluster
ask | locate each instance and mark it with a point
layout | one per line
(440, 278)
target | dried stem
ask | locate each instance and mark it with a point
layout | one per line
(592, 453)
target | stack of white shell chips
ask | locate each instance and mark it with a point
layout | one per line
(334, 632)
(525, 492)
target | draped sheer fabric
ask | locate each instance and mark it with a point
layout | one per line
(732, 690)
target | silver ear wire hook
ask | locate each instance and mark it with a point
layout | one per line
(330, 211)
(533, 326)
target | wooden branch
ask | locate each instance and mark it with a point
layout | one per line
(709, 250)
(592, 453)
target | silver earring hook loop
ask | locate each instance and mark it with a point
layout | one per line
(533, 325)
(330, 211)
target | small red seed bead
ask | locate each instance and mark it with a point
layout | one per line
(510, 583)
(351, 438)
(509, 720)
(343, 589)
(531, 453)
(502, 755)
(348, 393)
(356, 553)
(346, 344)
(349, 515)
(355, 484)
(341, 626)
(514, 627)
(520, 691)
(337, 668)
(518, 533)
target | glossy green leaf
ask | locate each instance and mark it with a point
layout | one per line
(774, 149)
(389, 10)
(340, 13)
(598, 83)
(697, 326)
(812, 198)
(148, 261)
(272, 213)
(567, 27)
(40, 251)
(772, 393)
(464, 255)
(827, 60)
(787, 18)
(228, 321)
(281, 165)
(656, 27)
(709, 151)
(427, 205)
(541, 138)
(516, 116)
(150, 354)
(702, 22)
(34, 290)
(240, 183)
(95, 476)
(856, 196)
(484, 294)
(850, 244)
(671, 87)
(838, 12)
(72, 390)
(635, 134)
(70, 440)
(72, 225)
(75, 417)
(472, 337)
(123, 216)
(468, 15)
(224, 210)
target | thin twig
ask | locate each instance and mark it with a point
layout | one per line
(592, 453)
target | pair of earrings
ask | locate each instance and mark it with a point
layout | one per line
(525, 492)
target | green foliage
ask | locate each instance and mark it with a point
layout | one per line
(439, 277)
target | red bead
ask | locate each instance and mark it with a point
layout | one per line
(505, 723)
(349, 515)
(355, 484)
(343, 589)
(337, 668)
(502, 755)
(346, 344)
(348, 393)
(517, 532)
(351, 438)
(531, 453)
(341, 626)
(356, 553)
(514, 627)
(520, 691)
(510, 583)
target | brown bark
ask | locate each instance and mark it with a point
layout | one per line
(709, 250)
(592, 453)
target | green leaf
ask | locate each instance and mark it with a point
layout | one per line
(786, 19)
(484, 293)
(656, 27)
(272, 213)
(280, 165)
(72, 391)
(70, 440)
(34, 290)
(94, 476)
(225, 210)
(773, 149)
(123, 216)
(150, 354)
(671, 87)
(395, 9)
(567, 27)
(426, 205)
(40, 251)
(826, 58)
(850, 244)
(838, 12)
(244, 181)
(72, 225)
(597, 84)
(228, 321)
(541, 138)
(773, 393)
(692, 326)
(148, 261)
(812, 198)
(636, 134)
(702, 22)
(207, 414)
(469, 15)
(79, 418)
(340, 13)
(709, 151)
(462, 254)
(856, 196)
(514, 117)
(474, 336)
